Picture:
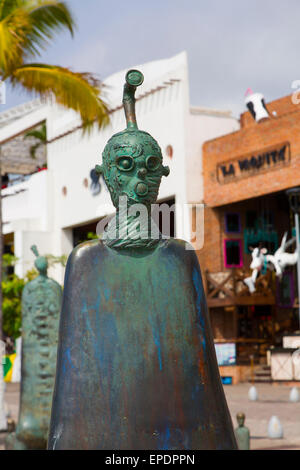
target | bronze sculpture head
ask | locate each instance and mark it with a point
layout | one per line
(132, 160)
(240, 417)
(41, 262)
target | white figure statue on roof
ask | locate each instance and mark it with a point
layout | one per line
(261, 261)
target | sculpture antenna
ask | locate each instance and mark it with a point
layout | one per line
(134, 78)
(35, 250)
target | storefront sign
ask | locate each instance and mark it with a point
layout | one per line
(254, 163)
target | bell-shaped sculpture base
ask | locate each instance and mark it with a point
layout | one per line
(41, 303)
(136, 365)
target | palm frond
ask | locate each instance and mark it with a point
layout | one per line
(77, 91)
(47, 18)
(37, 134)
(7, 6)
(33, 150)
(27, 27)
(14, 29)
(40, 134)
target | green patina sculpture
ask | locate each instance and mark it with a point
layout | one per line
(41, 304)
(136, 364)
(242, 433)
(132, 168)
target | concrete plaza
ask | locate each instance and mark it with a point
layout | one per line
(273, 399)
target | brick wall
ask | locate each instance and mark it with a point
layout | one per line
(254, 137)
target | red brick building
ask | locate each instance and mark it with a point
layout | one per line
(246, 174)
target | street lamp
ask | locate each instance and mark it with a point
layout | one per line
(294, 200)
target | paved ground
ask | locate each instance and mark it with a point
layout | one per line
(12, 394)
(272, 400)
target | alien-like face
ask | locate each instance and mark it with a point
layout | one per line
(132, 167)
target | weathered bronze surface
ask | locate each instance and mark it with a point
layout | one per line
(242, 433)
(41, 304)
(136, 366)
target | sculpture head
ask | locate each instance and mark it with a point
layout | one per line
(240, 417)
(41, 263)
(132, 160)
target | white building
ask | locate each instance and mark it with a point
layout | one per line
(48, 207)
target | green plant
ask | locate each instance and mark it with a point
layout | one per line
(57, 260)
(12, 289)
(31, 274)
(92, 236)
(8, 260)
(40, 135)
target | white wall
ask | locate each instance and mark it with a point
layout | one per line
(27, 212)
(26, 202)
(202, 125)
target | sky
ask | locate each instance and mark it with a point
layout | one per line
(231, 44)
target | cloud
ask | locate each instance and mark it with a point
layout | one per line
(231, 45)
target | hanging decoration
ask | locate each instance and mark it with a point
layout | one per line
(95, 186)
(261, 261)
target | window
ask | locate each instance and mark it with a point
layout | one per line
(232, 223)
(251, 220)
(83, 233)
(233, 254)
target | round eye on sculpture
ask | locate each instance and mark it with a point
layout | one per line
(152, 162)
(125, 163)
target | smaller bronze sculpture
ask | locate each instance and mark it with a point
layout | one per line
(41, 303)
(242, 433)
(11, 425)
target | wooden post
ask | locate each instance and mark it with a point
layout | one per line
(235, 321)
(252, 368)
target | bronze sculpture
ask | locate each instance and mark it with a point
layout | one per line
(136, 366)
(242, 433)
(41, 304)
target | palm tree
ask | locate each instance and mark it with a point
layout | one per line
(41, 138)
(27, 27)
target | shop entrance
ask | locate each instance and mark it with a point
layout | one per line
(255, 326)
(255, 321)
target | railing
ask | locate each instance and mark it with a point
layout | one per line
(228, 288)
(21, 178)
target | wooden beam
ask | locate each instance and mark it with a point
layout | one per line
(219, 287)
(243, 300)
